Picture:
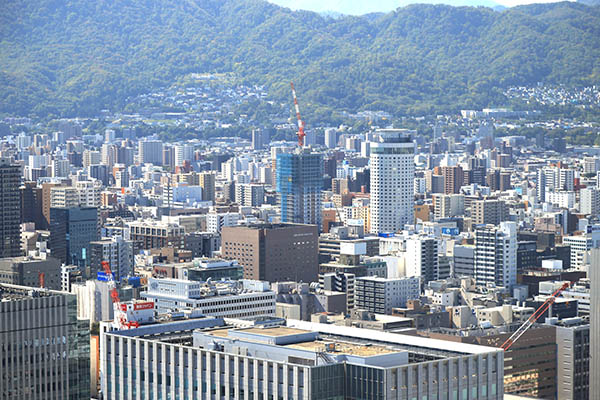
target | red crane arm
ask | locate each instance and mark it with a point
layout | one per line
(534, 317)
(300, 133)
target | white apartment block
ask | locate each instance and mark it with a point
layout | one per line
(562, 199)
(244, 300)
(392, 180)
(379, 295)
(589, 201)
(422, 258)
(496, 255)
(216, 221)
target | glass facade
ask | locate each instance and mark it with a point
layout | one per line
(299, 182)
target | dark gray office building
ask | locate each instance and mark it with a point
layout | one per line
(71, 231)
(10, 209)
(44, 348)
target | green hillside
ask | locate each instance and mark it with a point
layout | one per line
(75, 57)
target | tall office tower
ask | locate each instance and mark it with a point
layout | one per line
(300, 186)
(453, 179)
(540, 186)
(151, 152)
(594, 275)
(274, 252)
(10, 209)
(31, 204)
(117, 251)
(573, 359)
(110, 135)
(379, 295)
(392, 174)
(207, 182)
(250, 194)
(109, 153)
(183, 152)
(331, 138)
(99, 172)
(125, 155)
(64, 196)
(422, 258)
(168, 156)
(260, 139)
(560, 178)
(91, 157)
(339, 185)
(589, 201)
(591, 165)
(448, 205)
(489, 211)
(61, 168)
(45, 348)
(71, 231)
(478, 170)
(496, 254)
(121, 175)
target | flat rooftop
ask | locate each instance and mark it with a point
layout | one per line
(275, 331)
(323, 346)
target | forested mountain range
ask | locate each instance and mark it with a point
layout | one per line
(76, 57)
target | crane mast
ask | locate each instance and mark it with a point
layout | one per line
(300, 132)
(113, 293)
(534, 317)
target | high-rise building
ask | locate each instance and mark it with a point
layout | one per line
(205, 358)
(464, 260)
(422, 258)
(496, 254)
(245, 299)
(573, 359)
(31, 204)
(453, 179)
(45, 348)
(489, 211)
(260, 139)
(71, 231)
(91, 157)
(274, 252)
(299, 186)
(392, 174)
(25, 271)
(207, 181)
(594, 276)
(448, 205)
(379, 295)
(183, 152)
(589, 201)
(250, 194)
(331, 138)
(10, 209)
(148, 234)
(117, 251)
(151, 152)
(540, 186)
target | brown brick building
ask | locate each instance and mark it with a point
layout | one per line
(274, 252)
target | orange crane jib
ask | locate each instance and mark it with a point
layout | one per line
(114, 295)
(534, 317)
(300, 133)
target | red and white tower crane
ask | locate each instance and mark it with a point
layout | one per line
(534, 317)
(300, 132)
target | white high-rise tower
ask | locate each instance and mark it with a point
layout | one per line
(392, 174)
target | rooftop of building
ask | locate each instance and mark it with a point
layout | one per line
(306, 336)
(271, 226)
(9, 292)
